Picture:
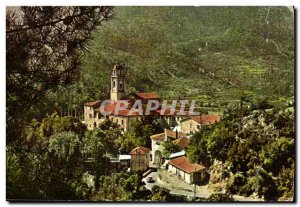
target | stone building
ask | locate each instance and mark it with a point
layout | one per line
(92, 110)
(140, 157)
(192, 124)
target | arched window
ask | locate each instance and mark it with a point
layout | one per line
(121, 85)
(114, 84)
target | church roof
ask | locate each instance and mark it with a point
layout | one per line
(150, 95)
(139, 151)
(93, 103)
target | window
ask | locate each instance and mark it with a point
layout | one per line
(198, 126)
(121, 85)
(91, 116)
(95, 115)
(122, 122)
(114, 84)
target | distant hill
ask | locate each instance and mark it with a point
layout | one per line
(213, 54)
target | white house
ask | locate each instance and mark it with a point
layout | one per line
(188, 172)
(157, 140)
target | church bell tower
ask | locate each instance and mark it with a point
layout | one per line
(117, 81)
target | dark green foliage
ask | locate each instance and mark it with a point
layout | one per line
(197, 149)
(122, 187)
(220, 142)
(43, 51)
(286, 179)
(160, 194)
(51, 163)
(220, 197)
(260, 144)
(139, 134)
(279, 153)
(268, 187)
(99, 145)
(169, 148)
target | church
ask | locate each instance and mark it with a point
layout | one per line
(93, 116)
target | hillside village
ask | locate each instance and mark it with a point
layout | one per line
(144, 159)
(160, 104)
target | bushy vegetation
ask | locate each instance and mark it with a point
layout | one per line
(62, 160)
(263, 148)
(139, 133)
(122, 187)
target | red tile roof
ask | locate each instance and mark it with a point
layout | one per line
(207, 119)
(182, 142)
(184, 164)
(110, 107)
(139, 151)
(150, 95)
(158, 137)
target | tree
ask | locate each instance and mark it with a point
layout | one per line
(279, 153)
(160, 194)
(145, 127)
(169, 148)
(220, 197)
(65, 165)
(286, 179)
(49, 162)
(128, 141)
(100, 146)
(43, 50)
(220, 142)
(122, 187)
(197, 149)
(267, 186)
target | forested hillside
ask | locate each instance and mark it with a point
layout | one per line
(213, 54)
(234, 60)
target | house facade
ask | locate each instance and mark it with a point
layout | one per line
(185, 170)
(140, 157)
(193, 124)
(157, 140)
